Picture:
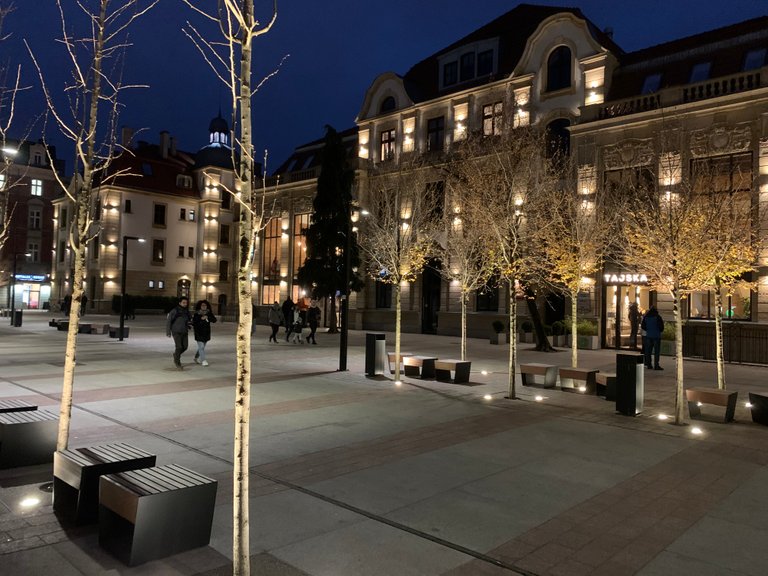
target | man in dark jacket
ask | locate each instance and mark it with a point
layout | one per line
(288, 315)
(653, 325)
(179, 321)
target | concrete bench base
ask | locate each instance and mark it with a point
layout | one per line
(697, 397)
(539, 375)
(759, 407)
(76, 476)
(460, 369)
(155, 512)
(27, 437)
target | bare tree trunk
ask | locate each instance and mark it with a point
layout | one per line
(398, 314)
(512, 393)
(463, 326)
(574, 331)
(679, 390)
(719, 335)
(542, 342)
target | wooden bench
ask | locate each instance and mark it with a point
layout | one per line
(76, 476)
(13, 405)
(697, 397)
(155, 512)
(104, 329)
(758, 405)
(84, 329)
(62, 325)
(605, 385)
(391, 359)
(460, 368)
(570, 377)
(540, 375)
(419, 366)
(27, 437)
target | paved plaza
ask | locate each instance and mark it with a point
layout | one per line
(354, 476)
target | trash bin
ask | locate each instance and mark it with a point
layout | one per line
(375, 354)
(16, 320)
(630, 384)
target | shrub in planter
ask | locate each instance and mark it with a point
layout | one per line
(526, 326)
(587, 338)
(498, 336)
(558, 333)
(668, 339)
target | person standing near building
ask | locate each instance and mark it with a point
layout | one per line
(288, 315)
(177, 325)
(201, 323)
(653, 325)
(634, 324)
(275, 319)
(313, 319)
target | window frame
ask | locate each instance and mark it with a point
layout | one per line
(36, 187)
(436, 134)
(157, 209)
(559, 69)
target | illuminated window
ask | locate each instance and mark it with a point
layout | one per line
(36, 187)
(34, 219)
(387, 144)
(300, 225)
(2, 181)
(151, 284)
(270, 255)
(492, 117)
(158, 251)
(191, 215)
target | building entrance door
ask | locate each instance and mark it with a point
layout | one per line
(622, 322)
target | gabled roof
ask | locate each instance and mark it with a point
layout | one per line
(513, 30)
(725, 48)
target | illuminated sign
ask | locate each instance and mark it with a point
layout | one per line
(30, 278)
(625, 278)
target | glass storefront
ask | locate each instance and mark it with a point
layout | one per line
(621, 320)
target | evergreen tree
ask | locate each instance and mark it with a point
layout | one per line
(323, 270)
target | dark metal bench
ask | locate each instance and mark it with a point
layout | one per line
(605, 385)
(697, 397)
(27, 437)
(758, 405)
(419, 366)
(155, 512)
(76, 476)
(460, 369)
(13, 405)
(541, 375)
(569, 377)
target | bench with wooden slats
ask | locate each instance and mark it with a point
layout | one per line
(419, 366)
(578, 379)
(76, 476)
(605, 385)
(13, 405)
(391, 359)
(27, 437)
(696, 397)
(155, 512)
(460, 369)
(537, 374)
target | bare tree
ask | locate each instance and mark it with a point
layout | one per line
(88, 121)
(231, 58)
(398, 236)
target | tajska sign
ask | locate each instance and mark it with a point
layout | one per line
(625, 278)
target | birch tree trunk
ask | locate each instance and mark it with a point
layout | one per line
(719, 336)
(398, 315)
(464, 297)
(574, 330)
(679, 390)
(512, 393)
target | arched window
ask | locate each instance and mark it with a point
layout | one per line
(387, 105)
(558, 138)
(559, 69)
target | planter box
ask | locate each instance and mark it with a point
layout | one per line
(561, 340)
(499, 338)
(526, 337)
(586, 342)
(668, 347)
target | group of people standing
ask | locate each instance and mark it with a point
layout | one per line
(294, 318)
(651, 326)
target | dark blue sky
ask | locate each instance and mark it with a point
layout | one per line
(336, 48)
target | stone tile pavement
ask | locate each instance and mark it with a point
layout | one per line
(357, 476)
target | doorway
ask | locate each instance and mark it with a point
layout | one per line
(622, 322)
(430, 296)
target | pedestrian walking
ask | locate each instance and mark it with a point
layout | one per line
(298, 325)
(653, 325)
(66, 304)
(201, 324)
(83, 302)
(177, 326)
(275, 319)
(288, 315)
(313, 319)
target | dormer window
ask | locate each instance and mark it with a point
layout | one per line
(183, 181)
(467, 66)
(754, 59)
(651, 84)
(484, 63)
(700, 72)
(559, 69)
(388, 105)
(450, 73)
(468, 62)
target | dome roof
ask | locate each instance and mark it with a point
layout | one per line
(218, 124)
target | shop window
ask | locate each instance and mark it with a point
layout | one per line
(737, 305)
(270, 252)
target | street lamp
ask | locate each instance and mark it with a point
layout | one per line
(13, 285)
(122, 281)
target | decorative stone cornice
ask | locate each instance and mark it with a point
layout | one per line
(628, 153)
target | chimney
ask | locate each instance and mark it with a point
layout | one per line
(126, 135)
(165, 139)
(173, 146)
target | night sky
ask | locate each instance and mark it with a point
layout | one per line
(336, 49)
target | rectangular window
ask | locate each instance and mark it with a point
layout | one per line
(182, 213)
(161, 284)
(224, 234)
(223, 270)
(270, 293)
(151, 284)
(435, 134)
(158, 251)
(36, 187)
(488, 298)
(127, 208)
(450, 73)
(159, 215)
(226, 200)
(383, 295)
(754, 59)
(435, 198)
(63, 218)
(181, 251)
(700, 72)
(387, 145)
(191, 215)
(651, 84)
(190, 252)
(736, 306)
(300, 225)
(485, 63)
(95, 248)
(34, 219)
(270, 255)
(62, 251)
(492, 117)
(729, 173)
(33, 249)
(2, 181)
(467, 67)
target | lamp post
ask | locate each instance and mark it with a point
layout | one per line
(13, 284)
(123, 281)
